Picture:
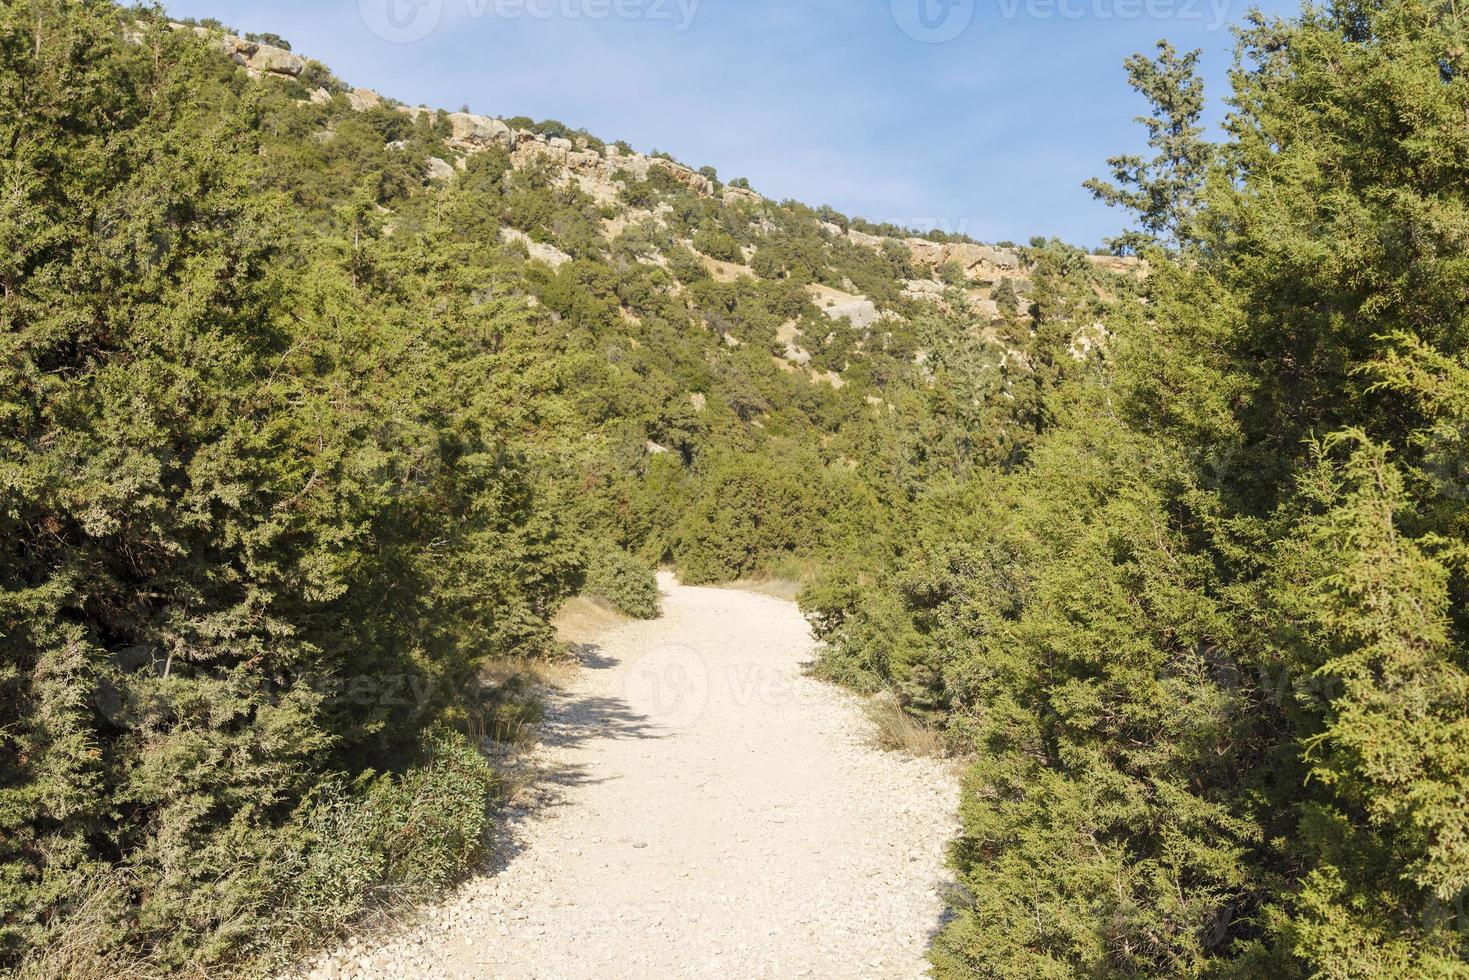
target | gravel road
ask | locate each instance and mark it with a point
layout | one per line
(703, 809)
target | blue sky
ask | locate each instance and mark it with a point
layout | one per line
(868, 105)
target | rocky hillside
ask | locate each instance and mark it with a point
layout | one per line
(950, 272)
(317, 408)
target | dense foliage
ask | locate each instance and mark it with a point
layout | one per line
(296, 438)
(255, 538)
(1207, 639)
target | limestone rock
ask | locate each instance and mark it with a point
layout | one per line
(923, 289)
(259, 59)
(270, 60)
(479, 131)
(860, 310)
(363, 99)
(979, 262)
(738, 195)
(985, 307)
(686, 176)
(439, 169)
(1123, 264)
(541, 252)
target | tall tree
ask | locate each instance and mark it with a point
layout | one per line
(1162, 192)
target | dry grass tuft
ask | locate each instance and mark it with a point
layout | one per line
(776, 588)
(83, 946)
(583, 619)
(898, 731)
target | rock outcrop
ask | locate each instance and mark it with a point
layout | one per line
(983, 263)
(472, 132)
(540, 251)
(923, 289)
(362, 99)
(1129, 265)
(860, 310)
(259, 59)
(741, 195)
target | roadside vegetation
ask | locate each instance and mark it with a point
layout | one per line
(303, 451)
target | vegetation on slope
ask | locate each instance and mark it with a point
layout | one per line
(1207, 640)
(296, 439)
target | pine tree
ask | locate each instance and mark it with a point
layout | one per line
(1163, 193)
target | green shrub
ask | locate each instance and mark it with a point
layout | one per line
(628, 583)
(252, 513)
(390, 836)
(751, 512)
(718, 244)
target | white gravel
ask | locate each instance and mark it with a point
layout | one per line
(705, 810)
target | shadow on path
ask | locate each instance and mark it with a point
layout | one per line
(572, 720)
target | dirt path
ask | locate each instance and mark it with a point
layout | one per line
(705, 811)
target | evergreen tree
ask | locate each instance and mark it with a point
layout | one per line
(1163, 193)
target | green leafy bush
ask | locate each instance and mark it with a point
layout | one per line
(718, 245)
(750, 513)
(388, 837)
(627, 583)
(245, 522)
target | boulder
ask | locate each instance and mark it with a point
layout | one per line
(362, 99)
(1129, 265)
(439, 169)
(737, 195)
(271, 60)
(860, 310)
(686, 176)
(984, 262)
(260, 59)
(923, 289)
(986, 308)
(479, 131)
(540, 251)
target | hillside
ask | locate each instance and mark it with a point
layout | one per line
(316, 408)
(320, 404)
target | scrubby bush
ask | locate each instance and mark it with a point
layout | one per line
(750, 513)
(415, 832)
(718, 244)
(627, 583)
(253, 508)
